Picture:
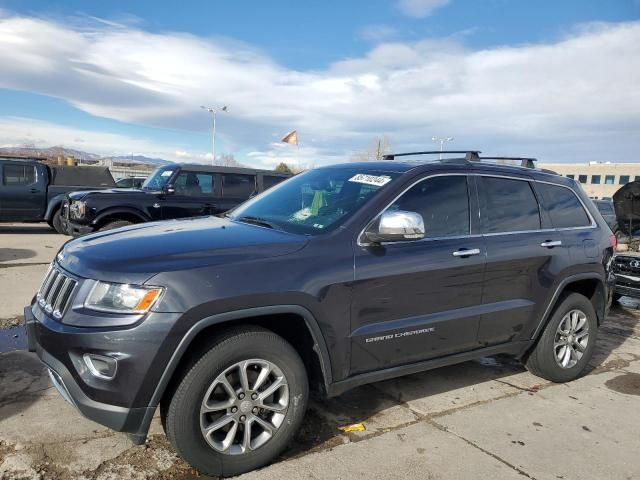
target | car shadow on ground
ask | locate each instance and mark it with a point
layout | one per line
(23, 378)
(457, 385)
(11, 254)
(25, 228)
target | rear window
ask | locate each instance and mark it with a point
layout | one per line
(565, 210)
(605, 208)
(238, 185)
(18, 174)
(508, 205)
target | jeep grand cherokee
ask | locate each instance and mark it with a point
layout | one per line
(335, 278)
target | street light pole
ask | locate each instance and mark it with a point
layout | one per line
(441, 140)
(213, 112)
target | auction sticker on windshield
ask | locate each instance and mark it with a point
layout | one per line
(377, 180)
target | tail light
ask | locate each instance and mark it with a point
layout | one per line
(614, 241)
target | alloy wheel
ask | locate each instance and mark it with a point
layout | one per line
(244, 407)
(571, 339)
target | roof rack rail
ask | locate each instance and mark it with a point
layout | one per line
(526, 162)
(469, 156)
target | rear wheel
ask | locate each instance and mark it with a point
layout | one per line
(567, 343)
(115, 224)
(239, 405)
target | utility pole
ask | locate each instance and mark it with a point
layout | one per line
(213, 111)
(441, 140)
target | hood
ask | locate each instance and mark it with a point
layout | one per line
(107, 191)
(136, 253)
(626, 202)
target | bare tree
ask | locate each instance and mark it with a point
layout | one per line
(227, 160)
(378, 148)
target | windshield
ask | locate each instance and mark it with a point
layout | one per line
(313, 202)
(158, 179)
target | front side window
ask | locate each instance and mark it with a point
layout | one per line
(563, 206)
(16, 175)
(582, 178)
(608, 179)
(443, 203)
(194, 184)
(158, 179)
(238, 186)
(316, 201)
(624, 179)
(595, 179)
(507, 205)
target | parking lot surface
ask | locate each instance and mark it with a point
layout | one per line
(483, 419)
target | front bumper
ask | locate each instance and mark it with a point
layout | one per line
(121, 404)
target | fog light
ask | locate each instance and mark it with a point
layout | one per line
(101, 366)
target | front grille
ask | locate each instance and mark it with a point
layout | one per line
(627, 266)
(55, 293)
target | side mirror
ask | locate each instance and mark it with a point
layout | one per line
(168, 190)
(397, 226)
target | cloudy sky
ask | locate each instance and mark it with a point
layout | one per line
(555, 80)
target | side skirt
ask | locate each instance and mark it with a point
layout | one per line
(512, 348)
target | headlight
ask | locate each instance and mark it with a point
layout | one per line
(122, 298)
(77, 209)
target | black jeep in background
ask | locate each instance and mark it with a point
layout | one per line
(338, 277)
(172, 191)
(31, 191)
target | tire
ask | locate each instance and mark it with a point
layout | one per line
(184, 421)
(114, 224)
(57, 223)
(543, 362)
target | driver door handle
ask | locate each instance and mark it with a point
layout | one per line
(466, 252)
(551, 243)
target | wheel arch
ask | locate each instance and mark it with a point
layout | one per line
(53, 206)
(591, 285)
(130, 214)
(289, 321)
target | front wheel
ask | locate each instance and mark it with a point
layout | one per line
(239, 405)
(567, 342)
(57, 223)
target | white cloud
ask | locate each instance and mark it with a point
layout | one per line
(377, 33)
(17, 131)
(573, 98)
(420, 8)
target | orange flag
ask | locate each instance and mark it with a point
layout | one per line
(291, 138)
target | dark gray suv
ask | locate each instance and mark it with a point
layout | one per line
(335, 278)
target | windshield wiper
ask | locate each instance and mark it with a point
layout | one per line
(255, 221)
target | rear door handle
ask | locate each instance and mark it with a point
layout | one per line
(466, 252)
(551, 243)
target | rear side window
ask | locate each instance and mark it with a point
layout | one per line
(17, 175)
(237, 185)
(443, 203)
(268, 181)
(508, 205)
(565, 210)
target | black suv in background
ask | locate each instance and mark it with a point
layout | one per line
(172, 191)
(338, 277)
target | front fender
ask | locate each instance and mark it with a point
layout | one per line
(53, 205)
